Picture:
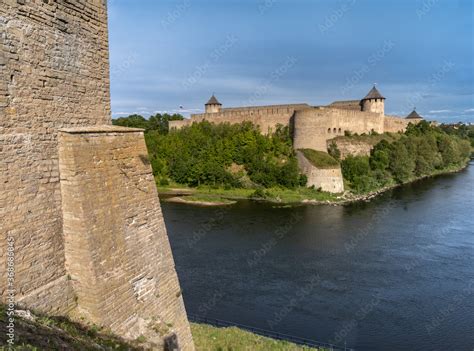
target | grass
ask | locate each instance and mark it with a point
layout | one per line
(199, 198)
(280, 195)
(208, 338)
(298, 195)
(61, 333)
(319, 159)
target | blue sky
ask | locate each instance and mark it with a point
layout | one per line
(166, 54)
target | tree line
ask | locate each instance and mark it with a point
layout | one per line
(423, 150)
(223, 155)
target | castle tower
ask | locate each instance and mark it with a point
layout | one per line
(213, 105)
(414, 115)
(373, 102)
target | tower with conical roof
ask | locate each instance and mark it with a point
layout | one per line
(213, 105)
(414, 115)
(373, 102)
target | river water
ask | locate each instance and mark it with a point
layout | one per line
(396, 273)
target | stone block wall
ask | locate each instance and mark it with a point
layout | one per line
(53, 74)
(346, 105)
(374, 105)
(112, 263)
(266, 117)
(351, 147)
(395, 124)
(117, 250)
(328, 179)
(313, 127)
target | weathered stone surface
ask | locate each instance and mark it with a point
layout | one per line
(351, 147)
(266, 117)
(54, 75)
(117, 249)
(314, 127)
(328, 179)
(49, 79)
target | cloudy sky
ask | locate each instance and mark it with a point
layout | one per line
(170, 56)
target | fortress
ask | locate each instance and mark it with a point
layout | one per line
(312, 127)
(81, 229)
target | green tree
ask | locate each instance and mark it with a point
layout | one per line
(354, 167)
(401, 163)
(132, 121)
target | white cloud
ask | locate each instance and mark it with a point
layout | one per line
(469, 110)
(440, 111)
(181, 110)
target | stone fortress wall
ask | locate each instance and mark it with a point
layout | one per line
(71, 214)
(266, 117)
(395, 124)
(54, 69)
(311, 126)
(329, 179)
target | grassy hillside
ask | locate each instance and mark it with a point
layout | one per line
(59, 333)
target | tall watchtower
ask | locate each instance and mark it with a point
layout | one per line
(373, 102)
(213, 105)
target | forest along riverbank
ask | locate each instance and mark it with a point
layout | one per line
(206, 196)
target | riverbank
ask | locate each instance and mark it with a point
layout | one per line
(209, 338)
(41, 332)
(207, 196)
(370, 195)
(201, 200)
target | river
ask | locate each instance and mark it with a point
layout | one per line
(396, 273)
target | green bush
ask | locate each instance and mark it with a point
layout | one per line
(259, 194)
(334, 151)
(164, 182)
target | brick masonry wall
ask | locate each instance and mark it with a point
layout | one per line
(117, 250)
(53, 74)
